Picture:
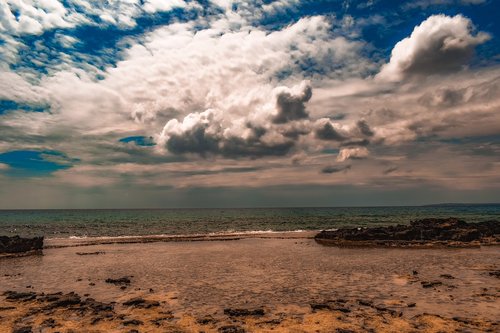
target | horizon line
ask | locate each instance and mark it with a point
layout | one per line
(266, 207)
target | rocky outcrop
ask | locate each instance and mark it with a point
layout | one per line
(16, 244)
(431, 231)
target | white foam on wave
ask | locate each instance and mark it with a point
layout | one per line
(228, 233)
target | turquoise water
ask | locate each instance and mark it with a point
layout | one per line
(123, 222)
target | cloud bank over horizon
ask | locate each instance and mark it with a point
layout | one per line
(154, 103)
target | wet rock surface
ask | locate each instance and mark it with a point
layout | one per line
(68, 312)
(139, 302)
(16, 244)
(244, 312)
(123, 281)
(431, 231)
(356, 296)
(90, 253)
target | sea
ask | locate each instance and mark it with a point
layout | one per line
(81, 223)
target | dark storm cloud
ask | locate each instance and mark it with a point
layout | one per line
(291, 106)
(359, 143)
(207, 139)
(364, 128)
(335, 169)
(390, 170)
(274, 133)
(325, 131)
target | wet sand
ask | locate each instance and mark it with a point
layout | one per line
(250, 283)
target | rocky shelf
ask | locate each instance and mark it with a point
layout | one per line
(15, 246)
(430, 232)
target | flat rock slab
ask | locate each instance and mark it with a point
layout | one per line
(449, 232)
(16, 244)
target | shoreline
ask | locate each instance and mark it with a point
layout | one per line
(51, 243)
(278, 285)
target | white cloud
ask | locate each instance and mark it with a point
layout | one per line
(352, 153)
(440, 44)
(153, 6)
(223, 88)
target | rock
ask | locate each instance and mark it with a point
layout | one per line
(320, 306)
(206, 320)
(449, 231)
(7, 308)
(49, 322)
(66, 300)
(97, 307)
(495, 273)
(447, 276)
(17, 244)
(244, 312)
(231, 329)
(19, 296)
(134, 322)
(120, 281)
(365, 303)
(139, 302)
(90, 253)
(25, 329)
(50, 297)
(430, 284)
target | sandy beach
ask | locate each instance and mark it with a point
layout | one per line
(249, 283)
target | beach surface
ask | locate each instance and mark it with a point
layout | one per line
(270, 282)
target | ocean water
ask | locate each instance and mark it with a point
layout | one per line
(136, 222)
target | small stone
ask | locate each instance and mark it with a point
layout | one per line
(133, 322)
(430, 284)
(231, 329)
(243, 312)
(25, 329)
(447, 276)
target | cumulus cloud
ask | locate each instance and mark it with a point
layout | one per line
(440, 44)
(290, 103)
(352, 153)
(240, 95)
(325, 129)
(262, 132)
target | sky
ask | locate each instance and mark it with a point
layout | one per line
(229, 103)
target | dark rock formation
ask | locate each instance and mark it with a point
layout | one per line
(19, 296)
(495, 273)
(17, 244)
(430, 284)
(121, 281)
(90, 253)
(25, 329)
(450, 231)
(244, 312)
(231, 329)
(139, 302)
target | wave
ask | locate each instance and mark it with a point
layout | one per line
(84, 240)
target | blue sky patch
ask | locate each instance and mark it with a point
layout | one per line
(35, 163)
(139, 140)
(9, 105)
(99, 45)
